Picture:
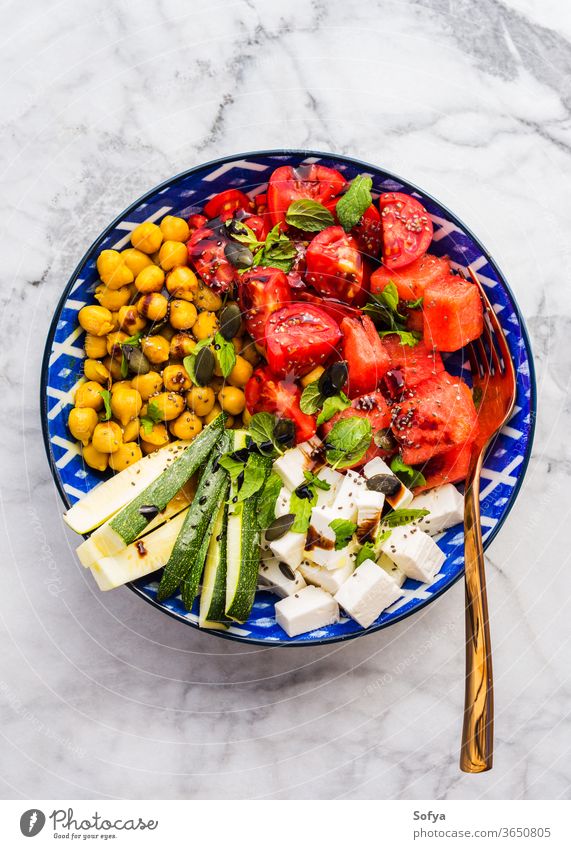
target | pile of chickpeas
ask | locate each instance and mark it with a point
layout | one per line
(149, 289)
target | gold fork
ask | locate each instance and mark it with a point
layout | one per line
(494, 380)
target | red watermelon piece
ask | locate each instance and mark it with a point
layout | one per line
(411, 280)
(453, 313)
(417, 363)
(449, 467)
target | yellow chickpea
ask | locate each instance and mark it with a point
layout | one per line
(181, 346)
(312, 376)
(113, 299)
(250, 353)
(95, 459)
(182, 315)
(147, 384)
(126, 455)
(205, 325)
(232, 400)
(200, 400)
(89, 395)
(126, 405)
(115, 319)
(174, 228)
(215, 411)
(176, 378)
(147, 237)
(119, 385)
(95, 346)
(155, 348)
(169, 404)
(107, 437)
(114, 342)
(113, 366)
(157, 436)
(135, 260)
(94, 370)
(97, 321)
(241, 373)
(82, 422)
(131, 431)
(112, 269)
(130, 320)
(153, 306)
(182, 282)
(206, 299)
(150, 279)
(246, 417)
(186, 426)
(172, 254)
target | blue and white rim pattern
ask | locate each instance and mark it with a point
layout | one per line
(62, 369)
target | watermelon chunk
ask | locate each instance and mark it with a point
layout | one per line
(416, 363)
(365, 354)
(372, 407)
(411, 280)
(453, 313)
(449, 467)
(439, 415)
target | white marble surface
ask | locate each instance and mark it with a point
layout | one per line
(103, 696)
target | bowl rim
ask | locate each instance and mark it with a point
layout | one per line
(301, 152)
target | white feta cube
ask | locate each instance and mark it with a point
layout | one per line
(326, 497)
(320, 531)
(292, 464)
(331, 559)
(392, 569)
(414, 552)
(279, 578)
(307, 610)
(369, 510)
(445, 505)
(289, 548)
(328, 579)
(376, 466)
(367, 593)
(283, 502)
(345, 504)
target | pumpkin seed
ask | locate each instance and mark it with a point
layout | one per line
(279, 527)
(384, 439)
(286, 571)
(387, 484)
(284, 432)
(136, 360)
(230, 321)
(239, 255)
(204, 365)
(333, 379)
(149, 511)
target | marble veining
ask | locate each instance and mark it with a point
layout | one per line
(102, 696)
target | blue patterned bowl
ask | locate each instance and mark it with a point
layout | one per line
(507, 459)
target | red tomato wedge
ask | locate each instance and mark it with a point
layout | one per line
(225, 203)
(439, 416)
(336, 309)
(415, 364)
(265, 392)
(196, 220)
(372, 407)
(453, 313)
(366, 357)
(412, 280)
(261, 292)
(299, 337)
(368, 233)
(206, 255)
(335, 266)
(407, 229)
(305, 181)
(450, 467)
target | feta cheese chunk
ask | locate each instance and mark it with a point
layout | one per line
(402, 497)
(329, 558)
(283, 502)
(320, 532)
(367, 593)
(293, 463)
(392, 569)
(307, 610)
(445, 505)
(414, 552)
(369, 510)
(345, 504)
(279, 578)
(326, 497)
(289, 548)
(328, 579)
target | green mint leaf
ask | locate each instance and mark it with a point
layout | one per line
(407, 337)
(233, 466)
(409, 476)
(354, 203)
(381, 537)
(154, 413)
(347, 441)
(390, 296)
(106, 395)
(333, 404)
(267, 500)
(309, 215)
(254, 477)
(313, 479)
(301, 508)
(261, 428)
(147, 424)
(414, 305)
(278, 251)
(366, 552)
(343, 530)
(403, 517)
(225, 353)
(238, 231)
(311, 399)
(133, 340)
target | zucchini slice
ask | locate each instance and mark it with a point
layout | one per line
(213, 595)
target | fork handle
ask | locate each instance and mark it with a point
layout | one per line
(478, 730)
